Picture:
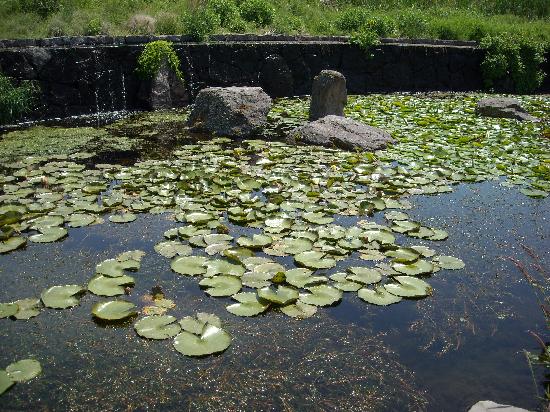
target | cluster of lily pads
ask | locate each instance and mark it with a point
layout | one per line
(20, 371)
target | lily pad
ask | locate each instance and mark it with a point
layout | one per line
(321, 295)
(81, 220)
(122, 218)
(224, 267)
(294, 246)
(282, 295)
(8, 309)
(300, 277)
(299, 310)
(212, 340)
(24, 370)
(110, 267)
(408, 286)
(314, 260)
(195, 324)
(248, 305)
(28, 308)
(449, 262)
(12, 243)
(114, 310)
(378, 296)
(49, 234)
(62, 297)
(189, 265)
(403, 255)
(364, 275)
(5, 381)
(108, 286)
(221, 285)
(171, 248)
(157, 327)
(412, 269)
(256, 242)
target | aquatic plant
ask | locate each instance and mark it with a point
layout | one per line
(15, 101)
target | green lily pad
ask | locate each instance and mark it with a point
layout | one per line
(256, 280)
(294, 246)
(299, 310)
(364, 275)
(114, 310)
(122, 218)
(342, 283)
(449, 262)
(46, 221)
(62, 297)
(24, 370)
(172, 248)
(403, 255)
(221, 285)
(5, 381)
(256, 242)
(81, 220)
(211, 340)
(300, 277)
(195, 324)
(108, 286)
(408, 286)
(28, 308)
(314, 260)
(8, 309)
(317, 218)
(189, 265)
(534, 193)
(412, 269)
(49, 234)
(110, 267)
(198, 218)
(219, 266)
(321, 295)
(12, 243)
(157, 327)
(248, 305)
(282, 295)
(379, 296)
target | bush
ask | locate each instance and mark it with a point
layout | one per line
(15, 101)
(227, 11)
(152, 57)
(142, 24)
(413, 24)
(41, 7)
(95, 27)
(258, 12)
(201, 23)
(366, 39)
(168, 23)
(512, 63)
(357, 19)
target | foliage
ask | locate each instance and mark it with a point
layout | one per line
(152, 57)
(41, 7)
(226, 10)
(259, 12)
(15, 100)
(201, 23)
(512, 63)
(366, 39)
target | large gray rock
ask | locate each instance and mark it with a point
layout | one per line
(328, 95)
(230, 111)
(167, 89)
(503, 107)
(490, 406)
(341, 132)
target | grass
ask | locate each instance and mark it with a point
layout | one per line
(444, 19)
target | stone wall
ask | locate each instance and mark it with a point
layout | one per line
(83, 75)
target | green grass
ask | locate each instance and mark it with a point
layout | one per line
(445, 19)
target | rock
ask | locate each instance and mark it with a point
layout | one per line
(276, 77)
(503, 107)
(230, 111)
(341, 132)
(490, 406)
(328, 95)
(167, 89)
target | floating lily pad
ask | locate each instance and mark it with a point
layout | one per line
(364, 275)
(342, 283)
(256, 242)
(114, 310)
(321, 295)
(28, 308)
(8, 309)
(24, 370)
(81, 220)
(123, 218)
(317, 218)
(412, 269)
(108, 286)
(248, 305)
(157, 327)
(189, 265)
(299, 310)
(12, 243)
(195, 324)
(211, 340)
(170, 249)
(5, 381)
(49, 234)
(404, 255)
(294, 246)
(301, 277)
(110, 267)
(221, 285)
(314, 260)
(282, 295)
(62, 297)
(378, 296)
(224, 267)
(449, 262)
(408, 286)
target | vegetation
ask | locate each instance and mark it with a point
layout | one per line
(152, 57)
(446, 19)
(15, 100)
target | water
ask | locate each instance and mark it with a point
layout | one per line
(445, 352)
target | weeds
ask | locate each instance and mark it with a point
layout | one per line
(15, 100)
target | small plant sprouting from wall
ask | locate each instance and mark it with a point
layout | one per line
(15, 101)
(512, 63)
(152, 57)
(366, 39)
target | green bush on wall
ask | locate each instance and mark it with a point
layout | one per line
(153, 55)
(258, 12)
(512, 63)
(15, 101)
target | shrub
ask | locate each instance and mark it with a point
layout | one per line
(168, 23)
(41, 7)
(201, 23)
(413, 24)
(142, 24)
(512, 63)
(15, 101)
(352, 19)
(152, 57)
(366, 39)
(227, 11)
(258, 12)
(95, 27)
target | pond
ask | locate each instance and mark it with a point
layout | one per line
(399, 280)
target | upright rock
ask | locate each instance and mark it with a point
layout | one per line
(328, 95)
(230, 111)
(503, 107)
(164, 91)
(336, 131)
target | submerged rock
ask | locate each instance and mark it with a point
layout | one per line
(503, 107)
(490, 406)
(328, 95)
(341, 132)
(230, 111)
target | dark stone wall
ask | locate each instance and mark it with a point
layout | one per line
(86, 75)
